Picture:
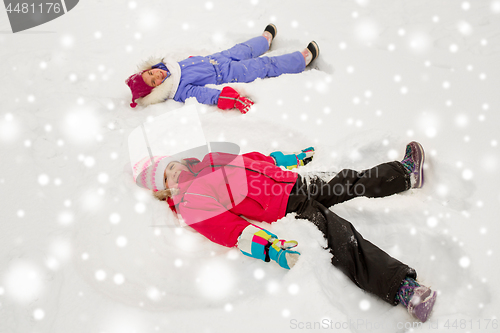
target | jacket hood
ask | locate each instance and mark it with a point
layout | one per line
(165, 90)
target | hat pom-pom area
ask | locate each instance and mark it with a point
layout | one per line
(133, 104)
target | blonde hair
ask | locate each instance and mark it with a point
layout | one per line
(163, 195)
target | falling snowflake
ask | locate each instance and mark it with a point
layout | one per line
(100, 275)
(464, 262)
(467, 174)
(432, 221)
(259, 274)
(38, 314)
(293, 289)
(23, 281)
(364, 305)
(121, 241)
(67, 41)
(216, 280)
(43, 179)
(118, 279)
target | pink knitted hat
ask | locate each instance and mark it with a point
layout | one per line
(149, 175)
(138, 87)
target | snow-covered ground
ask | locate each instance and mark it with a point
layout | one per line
(85, 250)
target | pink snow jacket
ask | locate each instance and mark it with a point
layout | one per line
(219, 189)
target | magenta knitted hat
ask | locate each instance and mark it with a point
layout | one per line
(150, 175)
(138, 87)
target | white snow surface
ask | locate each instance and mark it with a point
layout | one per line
(83, 249)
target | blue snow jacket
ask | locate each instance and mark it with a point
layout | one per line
(196, 72)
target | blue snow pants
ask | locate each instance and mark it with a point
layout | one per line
(242, 63)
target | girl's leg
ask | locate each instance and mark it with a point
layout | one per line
(370, 268)
(250, 49)
(262, 67)
(383, 180)
(380, 181)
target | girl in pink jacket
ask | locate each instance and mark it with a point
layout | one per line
(212, 195)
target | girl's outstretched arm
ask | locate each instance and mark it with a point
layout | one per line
(202, 94)
(228, 229)
(226, 99)
(259, 243)
(293, 160)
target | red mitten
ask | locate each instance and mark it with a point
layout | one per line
(229, 98)
(243, 104)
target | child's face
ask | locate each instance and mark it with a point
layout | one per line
(154, 77)
(172, 172)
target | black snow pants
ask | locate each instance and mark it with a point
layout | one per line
(365, 264)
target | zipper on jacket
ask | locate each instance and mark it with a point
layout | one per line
(201, 195)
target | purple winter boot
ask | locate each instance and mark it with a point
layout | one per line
(419, 300)
(421, 303)
(414, 163)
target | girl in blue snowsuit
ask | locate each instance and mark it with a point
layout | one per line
(161, 79)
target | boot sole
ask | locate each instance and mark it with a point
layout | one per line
(314, 48)
(271, 28)
(421, 158)
(424, 309)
